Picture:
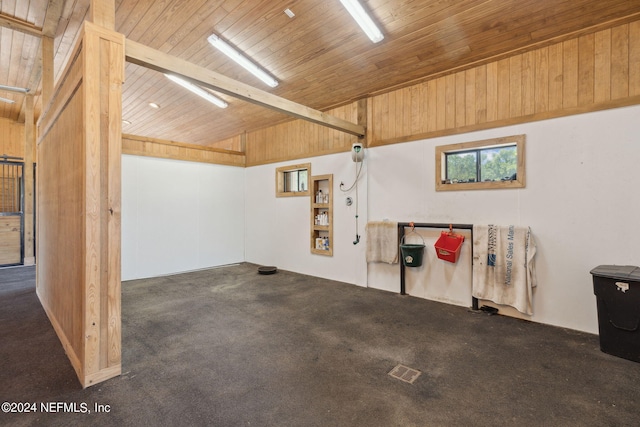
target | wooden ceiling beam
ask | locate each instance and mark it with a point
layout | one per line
(20, 25)
(51, 21)
(52, 18)
(147, 57)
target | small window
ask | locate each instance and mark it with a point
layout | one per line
(492, 163)
(293, 180)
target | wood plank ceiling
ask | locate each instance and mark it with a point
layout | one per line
(320, 56)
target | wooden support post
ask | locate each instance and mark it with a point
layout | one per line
(47, 70)
(28, 176)
(103, 13)
(79, 169)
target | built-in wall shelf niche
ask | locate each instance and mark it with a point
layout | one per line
(321, 198)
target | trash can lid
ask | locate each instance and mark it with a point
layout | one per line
(624, 272)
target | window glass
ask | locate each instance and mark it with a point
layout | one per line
(293, 180)
(499, 164)
(462, 167)
(491, 163)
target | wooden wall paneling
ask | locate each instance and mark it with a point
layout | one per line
(60, 221)
(280, 149)
(450, 101)
(339, 139)
(556, 76)
(492, 91)
(470, 97)
(385, 114)
(620, 62)
(481, 94)
(389, 114)
(299, 138)
(419, 99)
(373, 114)
(275, 143)
(12, 136)
(504, 87)
(9, 240)
(634, 58)
(317, 135)
(79, 210)
(326, 138)
(396, 112)
(460, 99)
(515, 85)
(270, 143)
(292, 141)
(586, 63)
(399, 111)
(393, 113)
(441, 101)
(528, 83)
(279, 144)
(570, 73)
(255, 145)
(416, 107)
(602, 66)
(235, 143)
(150, 147)
(406, 108)
(432, 107)
(541, 80)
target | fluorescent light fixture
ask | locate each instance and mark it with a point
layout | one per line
(8, 101)
(197, 90)
(242, 60)
(363, 19)
(14, 89)
(126, 122)
(154, 105)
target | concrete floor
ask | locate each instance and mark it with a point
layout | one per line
(229, 347)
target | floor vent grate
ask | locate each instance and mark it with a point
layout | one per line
(404, 373)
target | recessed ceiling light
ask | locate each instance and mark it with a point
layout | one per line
(242, 60)
(154, 105)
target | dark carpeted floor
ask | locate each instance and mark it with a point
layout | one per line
(229, 347)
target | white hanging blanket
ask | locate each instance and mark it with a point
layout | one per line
(503, 267)
(382, 241)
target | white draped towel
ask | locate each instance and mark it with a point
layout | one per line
(503, 265)
(382, 241)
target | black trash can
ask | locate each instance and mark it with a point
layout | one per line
(617, 290)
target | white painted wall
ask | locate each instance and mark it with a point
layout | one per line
(580, 201)
(278, 228)
(179, 216)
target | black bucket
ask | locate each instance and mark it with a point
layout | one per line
(412, 253)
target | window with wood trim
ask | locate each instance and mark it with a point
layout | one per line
(293, 180)
(480, 165)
